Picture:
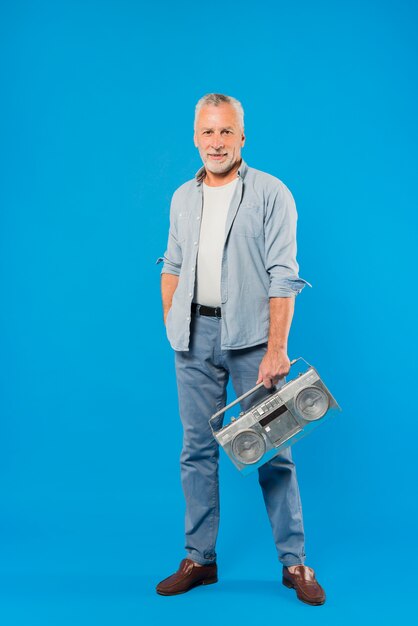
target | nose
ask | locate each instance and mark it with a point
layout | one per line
(217, 141)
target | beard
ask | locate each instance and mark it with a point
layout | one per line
(219, 168)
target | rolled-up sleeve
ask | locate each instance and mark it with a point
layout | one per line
(173, 257)
(280, 245)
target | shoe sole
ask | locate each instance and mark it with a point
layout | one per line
(290, 585)
(209, 581)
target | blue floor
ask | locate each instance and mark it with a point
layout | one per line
(240, 597)
(109, 578)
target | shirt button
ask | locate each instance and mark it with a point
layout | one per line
(190, 294)
(198, 217)
(192, 269)
(188, 319)
(195, 243)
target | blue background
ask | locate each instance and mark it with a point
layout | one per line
(96, 121)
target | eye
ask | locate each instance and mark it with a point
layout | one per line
(207, 132)
(226, 132)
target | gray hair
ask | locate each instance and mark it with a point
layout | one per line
(219, 98)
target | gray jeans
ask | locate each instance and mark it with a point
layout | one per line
(202, 376)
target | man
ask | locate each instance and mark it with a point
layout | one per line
(228, 285)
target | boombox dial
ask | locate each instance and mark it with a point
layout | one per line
(248, 446)
(311, 403)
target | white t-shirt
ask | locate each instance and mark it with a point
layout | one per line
(216, 201)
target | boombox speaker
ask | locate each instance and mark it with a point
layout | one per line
(278, 421)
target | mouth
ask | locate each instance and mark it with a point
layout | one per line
(217, 157)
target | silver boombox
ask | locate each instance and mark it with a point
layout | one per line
(278, 421)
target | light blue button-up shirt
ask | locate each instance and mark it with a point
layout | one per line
(258, 260)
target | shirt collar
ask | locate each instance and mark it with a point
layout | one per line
(201, 173)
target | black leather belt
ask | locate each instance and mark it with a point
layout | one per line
(200, 309)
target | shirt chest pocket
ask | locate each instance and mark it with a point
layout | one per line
(248, 221)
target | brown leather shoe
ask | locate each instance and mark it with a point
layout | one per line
(307, 587)
(188, 575)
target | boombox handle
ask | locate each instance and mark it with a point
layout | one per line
(248, 393)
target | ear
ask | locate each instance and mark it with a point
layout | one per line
(195, 140)
(242, 139)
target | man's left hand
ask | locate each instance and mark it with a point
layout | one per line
(275, 365)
